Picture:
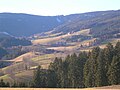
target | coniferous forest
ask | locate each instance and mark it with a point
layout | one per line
(96, 68)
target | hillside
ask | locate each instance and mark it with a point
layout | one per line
(102, 21)
(18, 24)
(7, 40)
(47, 37)
(84, 31)
(27, 25)
(21, 68)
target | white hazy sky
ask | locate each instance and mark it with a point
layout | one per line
(57, 7)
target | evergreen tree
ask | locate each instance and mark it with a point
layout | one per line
(73, 73)
(22, 84)
(87, 76)
(3, 52)
(82, 58)
(117, 49)
(93, 65)
(64, 78)
(114, 71)
(51, 81)
(14, 84)
(43, 78)
(2, 83)
(56, 66)
(108, 54)
(101, 78)
(7, 84)
(36, 78)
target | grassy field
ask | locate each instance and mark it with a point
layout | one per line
(57, 38)
(17, 70)
(75, 46)
(44, 57)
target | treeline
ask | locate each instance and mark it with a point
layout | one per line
(13, 53)
(3, 84)
(100, 67)
(3, 52)
(15, 84)
(11, 41)
(62, 73)
(8, 54)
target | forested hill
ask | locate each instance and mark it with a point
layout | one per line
(99, 67)
(19, 24)
(7, 40)
(100, 23)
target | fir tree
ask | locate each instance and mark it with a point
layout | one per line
(56, 66)
(101, 78)
(51, 81)
(36, 78)
(114, 71)
(73, 71)
(86, 73)
(7, 84)
(117, 49)
(108, 54)
(93, 65)
(2, 83)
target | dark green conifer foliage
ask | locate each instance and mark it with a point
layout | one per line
(108, 54)
(7, 84)
(82, 58)
(36, 78)
(93, 65)
(101, 78)
(114, 71)
(51, 81)
(117, 49)
(2, 83)
(73, 73)
(64, 81)
(87, 75)
(56, 66)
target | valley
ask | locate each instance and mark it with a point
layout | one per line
(46, 38)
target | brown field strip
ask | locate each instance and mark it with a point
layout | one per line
(41, 89)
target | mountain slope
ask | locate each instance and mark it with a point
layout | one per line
(77, 32)
(26, 25)
(100, 23)
(84, 31)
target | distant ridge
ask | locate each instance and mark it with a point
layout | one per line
(19, 24)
